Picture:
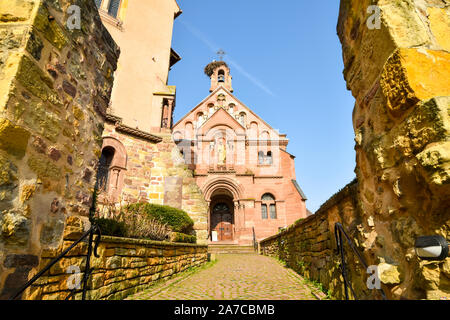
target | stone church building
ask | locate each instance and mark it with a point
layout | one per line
(251, 186)
(241, 165)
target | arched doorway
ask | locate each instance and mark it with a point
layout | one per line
(222, 216)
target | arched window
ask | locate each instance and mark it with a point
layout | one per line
(268, 197)
(103, 168)
(268, 201)
(188, 130)
(210, 109)
(200, 119)
(231, 108)
(242, 118)
(221, 76)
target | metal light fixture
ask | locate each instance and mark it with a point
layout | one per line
(431, 248)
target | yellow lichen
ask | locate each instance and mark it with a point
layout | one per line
(13, 139)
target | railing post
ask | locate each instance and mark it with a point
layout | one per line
(340, 246)
(339, 231)
(90, 233)
(87, 270)
(255, 243)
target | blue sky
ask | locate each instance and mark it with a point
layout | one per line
(286, 63)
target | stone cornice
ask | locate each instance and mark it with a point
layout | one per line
(106, 17)
(221, 172)
(110, 239)
(131, 131)
(269, 177)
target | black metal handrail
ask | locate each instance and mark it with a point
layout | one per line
(90, 233)
(255, 243)
(338, 232)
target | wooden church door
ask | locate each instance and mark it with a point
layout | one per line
(222, 222)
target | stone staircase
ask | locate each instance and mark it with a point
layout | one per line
(230, 249)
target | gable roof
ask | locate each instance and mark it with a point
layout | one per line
(235, 98)
(216, 114)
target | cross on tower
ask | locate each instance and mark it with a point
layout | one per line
(221, 53)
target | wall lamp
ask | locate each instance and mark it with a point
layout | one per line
(431, 248)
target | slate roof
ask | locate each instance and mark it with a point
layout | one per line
(299, 189)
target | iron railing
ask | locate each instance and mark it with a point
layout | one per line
(255, 243)
(90, 233)
(338, 232)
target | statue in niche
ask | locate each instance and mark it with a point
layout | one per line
(221, 100)
(222, 152)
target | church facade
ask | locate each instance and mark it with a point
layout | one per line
(222, 164)
(241, 165)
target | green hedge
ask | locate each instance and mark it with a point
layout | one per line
(182, 237)
(111, 227)
(177, 219)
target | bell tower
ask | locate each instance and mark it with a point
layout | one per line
(219, 73)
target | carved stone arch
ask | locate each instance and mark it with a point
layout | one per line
(120, 155)
(265, 135)
(178, 135)
(271, 191)
(189, 130)
(222, 130)
(223, 183)
(253, 131)
(116, 170)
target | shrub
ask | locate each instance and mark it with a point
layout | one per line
(176, 219)
(111, 227)
(182, 237)
(143, 226)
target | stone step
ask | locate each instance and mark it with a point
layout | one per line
(230, 248)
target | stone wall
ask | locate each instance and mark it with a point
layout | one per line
(55, 84)
(155, 172)
(124, 267)
(309, 245)
(399, 75)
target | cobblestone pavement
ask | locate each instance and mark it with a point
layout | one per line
(234, 277)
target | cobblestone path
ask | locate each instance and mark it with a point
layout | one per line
(234, 277)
